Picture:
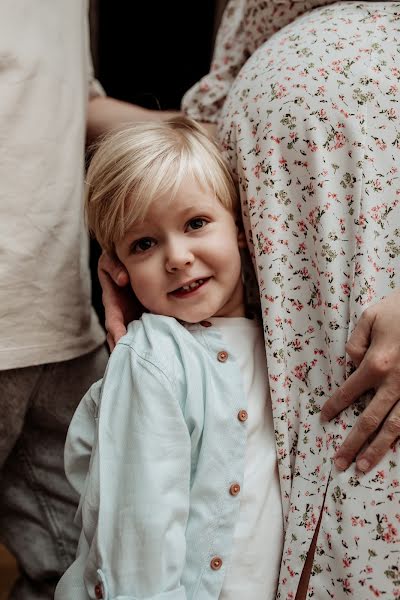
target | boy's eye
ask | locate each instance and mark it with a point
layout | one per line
(197, 223)
(142, 245)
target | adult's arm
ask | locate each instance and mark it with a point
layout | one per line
(106, 114)
(136, 499)
(374, 346)
(205, 99)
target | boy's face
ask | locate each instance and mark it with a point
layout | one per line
(183, 260)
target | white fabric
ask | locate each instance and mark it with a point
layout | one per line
(45, 80)
(258, 539)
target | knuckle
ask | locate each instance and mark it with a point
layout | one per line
(392, 426)
(368, 314)
(343, 397)
(368, 423)
(381, 364)
(355, 352)
(349, 449)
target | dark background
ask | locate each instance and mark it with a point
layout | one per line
(150, 53)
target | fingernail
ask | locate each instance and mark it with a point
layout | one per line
(363, 465)
(324, 417)
(341, 464)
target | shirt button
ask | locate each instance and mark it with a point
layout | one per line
(98, 591)
(222, 356)
(216, 563)
(234, 489)
(205, 323)
(242, 415)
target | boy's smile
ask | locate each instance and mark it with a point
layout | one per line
(183, 260)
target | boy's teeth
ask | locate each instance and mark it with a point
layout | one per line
(193, 285)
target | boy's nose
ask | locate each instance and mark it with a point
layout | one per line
(178, 257)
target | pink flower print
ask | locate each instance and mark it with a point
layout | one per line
(377, 185)
(283, 162)
(337, 66)
(304, 273)
(340, 140)
(302, 226)
(297, 345)
(359, 241)
(381, 144)
(346, 561)
(257, 170)
(380, 475)
(297, 304)
(300, 371)
(345, 289)
(268, 246)
(346, 586)
(375, 591)
(361, 220)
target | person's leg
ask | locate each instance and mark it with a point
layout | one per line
(37, 505)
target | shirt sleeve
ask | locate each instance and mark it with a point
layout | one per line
(80, 438)
(205, 99)
(136, 502)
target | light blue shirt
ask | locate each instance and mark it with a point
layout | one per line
(165, 434)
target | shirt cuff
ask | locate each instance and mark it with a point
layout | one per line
(101, 592)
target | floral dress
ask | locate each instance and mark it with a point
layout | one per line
(308, 106)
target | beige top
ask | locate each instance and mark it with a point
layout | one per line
(45, 78)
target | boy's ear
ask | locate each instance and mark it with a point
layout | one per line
(241, 237)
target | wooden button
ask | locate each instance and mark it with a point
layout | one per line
(216, 563)
(222, 356)
(242, 415)
(98, 591)
(205, 323)
(234, 489)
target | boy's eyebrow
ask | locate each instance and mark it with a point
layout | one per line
(195, 208)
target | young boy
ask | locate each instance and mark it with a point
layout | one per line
(173, 452)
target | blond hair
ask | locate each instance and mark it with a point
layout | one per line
(134, 166)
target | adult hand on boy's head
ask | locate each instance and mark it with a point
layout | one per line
(120, 304)
(374, 346)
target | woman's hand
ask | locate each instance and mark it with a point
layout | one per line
(374, 346)
(120, 304)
